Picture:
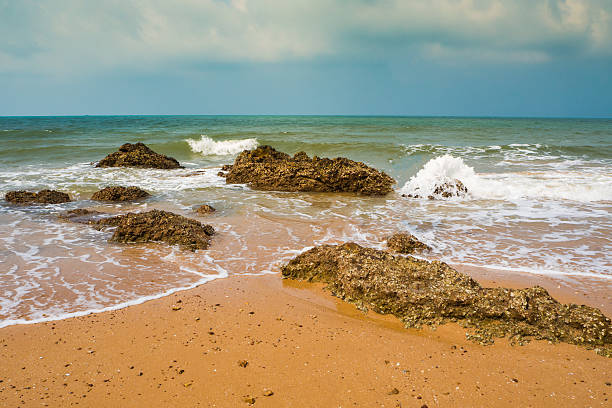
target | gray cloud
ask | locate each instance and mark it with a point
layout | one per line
(76, 37)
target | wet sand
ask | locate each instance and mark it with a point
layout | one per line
(285, 344)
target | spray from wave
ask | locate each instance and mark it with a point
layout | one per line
(552, 184)
(209, 147)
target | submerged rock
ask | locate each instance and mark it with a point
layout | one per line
(119, 193)
(205, 209)
(42, 197)
(81, 215)
(138, 155)
(448, 189)
(268, 169)
(157, 225)
(406, 244)
(430, 293)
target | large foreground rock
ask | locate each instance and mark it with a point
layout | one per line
(138, 155)
(42, 197)
(119, 193)
(268, 169)
(157, 225)
(430, 293)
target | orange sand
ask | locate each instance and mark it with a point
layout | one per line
(303, 346)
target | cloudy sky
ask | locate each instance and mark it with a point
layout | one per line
(391, 57)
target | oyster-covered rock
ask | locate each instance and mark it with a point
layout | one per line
(138, 155)
(82, 215)
(205, 209)
(430, 293)
(406, 244)
(157, 225)
(268, 169)
(447, 189)
(119, 193)
(42, 197)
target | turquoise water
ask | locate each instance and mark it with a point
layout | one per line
(540, 200)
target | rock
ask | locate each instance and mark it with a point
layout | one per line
(81, 215)
(267, 169)
(268, 392)
(249, 399)
(243, 363)
(205, 209)
(394, 391)
(405, 243)
(448, 189)
(119, 193)
(157, 225)
(138, 155)
(42, 197)
(431, 293)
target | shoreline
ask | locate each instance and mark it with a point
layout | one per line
(597, 296)
(306, 346)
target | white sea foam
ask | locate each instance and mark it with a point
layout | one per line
(548, 183)
(209, 147)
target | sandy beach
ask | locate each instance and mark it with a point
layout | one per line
(277, 343)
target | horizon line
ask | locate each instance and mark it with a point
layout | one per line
(609, 116)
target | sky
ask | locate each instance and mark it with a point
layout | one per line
(348, 57)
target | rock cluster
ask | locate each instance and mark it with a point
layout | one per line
(119, 193)
(268, 169)
(406, 244)
(138, 155)
(205, 209)
(430, 293)
(42, 197)
(448, 189)
(157, 225)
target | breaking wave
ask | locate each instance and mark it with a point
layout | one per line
(576, 185)
(209, 147)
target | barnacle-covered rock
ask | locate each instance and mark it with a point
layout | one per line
(406, 244)
(265, 168)
(81, 215)
(138, 155)
(119, 193)
(157, 225)
(42, 197)
(205, 209)
(446, 189)
(430, 293)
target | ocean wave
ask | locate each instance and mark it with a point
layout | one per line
(551, 184)
(514, 151)
(209, 147)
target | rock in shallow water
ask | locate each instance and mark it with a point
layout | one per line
(119, 193)
(138, 155)
(42, 197)
(430, 293)
(268, 169)
(205, 209)
(81, 215)
(406, 244)
(157, 225)
(447, 189)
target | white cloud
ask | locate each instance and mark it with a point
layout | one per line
(72, 36)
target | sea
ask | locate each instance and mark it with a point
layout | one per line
(539, 201)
